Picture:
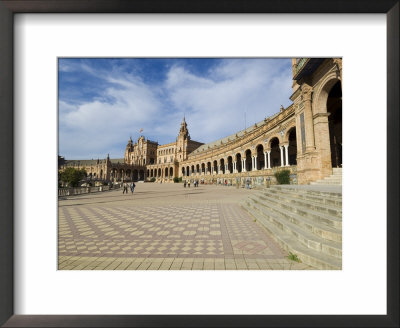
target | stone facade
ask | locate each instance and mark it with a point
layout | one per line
(305, 138)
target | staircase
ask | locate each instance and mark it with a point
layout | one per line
(304, 220)
(334, 179)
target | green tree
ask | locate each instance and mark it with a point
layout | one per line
(72, 176)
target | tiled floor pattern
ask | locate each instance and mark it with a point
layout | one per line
(120, 234)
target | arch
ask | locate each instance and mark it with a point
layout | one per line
(322, 93)
(230, 164)
(275, 152)
(159, 173)
(197, 168)
(292, 142)
(166, 172)
(248, 160)
(260, 163)
(183, 171)
(222, 165)
(141, 175)
(238, 162)
(215, 166)
(135, 175)
(187, 171)
(171, 172)
(208, 167)
(334, 108)
(203, 168)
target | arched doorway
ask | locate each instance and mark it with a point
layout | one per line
(197, 168)
(159, 173)
(208, 167)
(238, 162)
(222, 165)
(230, 164)
(292, 150)
(166, 173)
(248, 161)
(171, 172)
(203, 168)
(215, 167)
(275, 153)
(334, 108)
(183, 171)
(260, 164)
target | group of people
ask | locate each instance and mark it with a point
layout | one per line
(125, 186)
(195, 183)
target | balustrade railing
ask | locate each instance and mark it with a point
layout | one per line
(84, 190)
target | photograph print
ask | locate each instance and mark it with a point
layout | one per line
(199, 164)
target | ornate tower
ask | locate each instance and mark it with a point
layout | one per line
(128, 151)
(182, 141)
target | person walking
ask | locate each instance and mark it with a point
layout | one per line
(132, 187)
(184, 184)
(188, 183)
(125, 187)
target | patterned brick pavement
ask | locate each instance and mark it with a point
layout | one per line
(165, 227)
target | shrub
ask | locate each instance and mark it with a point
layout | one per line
(176, 180)
(283, 177)
(152, 179)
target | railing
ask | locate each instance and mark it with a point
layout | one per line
(84, 190)
(300, 63)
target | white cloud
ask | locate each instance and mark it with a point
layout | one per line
(214, 105)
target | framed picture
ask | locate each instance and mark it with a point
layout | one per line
(35, 292)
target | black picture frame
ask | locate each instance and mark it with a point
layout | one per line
(10, 7)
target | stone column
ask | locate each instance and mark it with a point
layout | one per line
(308, 118)
(282, 159)
(287, 154)
(265, 160)
(255, 162)
(269, 158)
(244, 166)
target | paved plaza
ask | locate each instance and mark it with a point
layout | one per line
(165, 227)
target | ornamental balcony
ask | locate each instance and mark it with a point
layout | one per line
(306, 67)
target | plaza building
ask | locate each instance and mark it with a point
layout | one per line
(304, 138)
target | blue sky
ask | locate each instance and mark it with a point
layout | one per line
(104, 101)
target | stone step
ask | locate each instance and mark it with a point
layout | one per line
(312, 233)
(316, 206)
(291, 244)
(314, 192)
(334, 178)
(325, 182)
(288, 210)
(309, 197)
(336, 202)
